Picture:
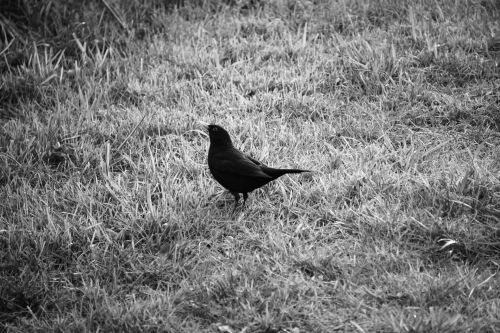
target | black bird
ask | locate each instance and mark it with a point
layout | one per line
(237, 172)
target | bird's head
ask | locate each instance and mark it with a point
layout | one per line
(219, 136)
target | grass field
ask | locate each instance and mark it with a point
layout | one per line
(110, 220)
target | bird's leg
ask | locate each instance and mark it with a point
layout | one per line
(245, 197)
(236, 199)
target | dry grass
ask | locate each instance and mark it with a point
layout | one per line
(110, 221)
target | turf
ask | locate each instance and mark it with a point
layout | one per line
(110, 220)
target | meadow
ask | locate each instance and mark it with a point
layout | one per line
(111, 222)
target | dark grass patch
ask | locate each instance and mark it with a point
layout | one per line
(458, 227)
(57, 23)
(469, 196)
(20, 299)
(121, 94)
(54, 23)
(450, 71)
(61, 156)
(323, 269)
(238, 302)
(440, 112)
(20, 91)
(428, 294)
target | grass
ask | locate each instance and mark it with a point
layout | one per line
(110, 221)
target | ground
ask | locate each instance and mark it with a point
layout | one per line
(110, 220)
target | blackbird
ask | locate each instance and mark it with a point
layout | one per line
(237, 172)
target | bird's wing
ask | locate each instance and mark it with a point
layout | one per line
(235, 162)
(259, 163)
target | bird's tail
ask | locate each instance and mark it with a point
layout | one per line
(275, 173)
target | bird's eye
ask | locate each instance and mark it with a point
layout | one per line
(214, 129)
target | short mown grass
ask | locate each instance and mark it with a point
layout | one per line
(110, 220)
